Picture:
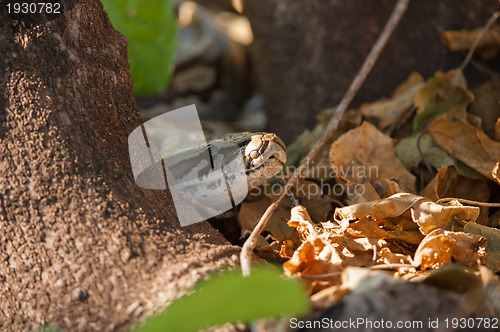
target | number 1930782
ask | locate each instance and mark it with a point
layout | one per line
(33, 8)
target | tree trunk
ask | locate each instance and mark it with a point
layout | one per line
(81, 246)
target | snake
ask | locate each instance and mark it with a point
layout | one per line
(263, 156)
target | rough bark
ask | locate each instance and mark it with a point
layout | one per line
(306, 53)
(81, 246)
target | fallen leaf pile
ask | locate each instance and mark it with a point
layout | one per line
(372, 203)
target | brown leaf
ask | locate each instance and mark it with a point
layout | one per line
(391, 188)
(366, 153)
(360, 192)
(459, 279)
(382, 209)
(486, 105)
(497, 129)
(492, 285)
(314, 259)
(408, 152)
(387, 113)
(316, 194)
(429, 215)
(359, 280)
(301, 220)
(442, 247)
(426, 214)
(493, 250)
(286, 249)
(386, 256)
(325, 298)
(370, 229)
(315, 256)
(495, 173)
(250, 213)
(462, 41)
(468, 144)
(448, 183)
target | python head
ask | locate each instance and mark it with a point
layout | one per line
(265, 156)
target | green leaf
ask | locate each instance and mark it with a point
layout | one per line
(408, 154)
(150, 27)
(445, 94)
(230, 297)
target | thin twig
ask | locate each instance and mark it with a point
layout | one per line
(391, 266)
(373, 267)
(291, 196)
(475, 44)
(321, 276)
(485, 69)
(397, 13)
(467, 201)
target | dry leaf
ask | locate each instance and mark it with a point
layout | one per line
(468, 144)
(382, 209)
(300, 219)
(497, 129)
(448, 183)
(442, 247)
(386, 256)
(487, 105)
(462, 41)
(360, 280)
(370, 229)
(314, 260)
(270, 251)
(492, 284)
(426, 214)
(315, 256)
(454, 277)
(408, 153)
(251, 212)
(493, 250)
(354, 250)
(287, 249)
(384, 300)
(365, 153)
(387, 113)
(360, 192)
(462, 280)
(446, 95)
(429, 215)
(325, 298)
(317, 195)
(392, 188)
(495, 173)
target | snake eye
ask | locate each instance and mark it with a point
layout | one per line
(254, 154)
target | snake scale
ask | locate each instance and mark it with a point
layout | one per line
(263, 155)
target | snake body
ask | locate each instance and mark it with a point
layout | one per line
(263, 155)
